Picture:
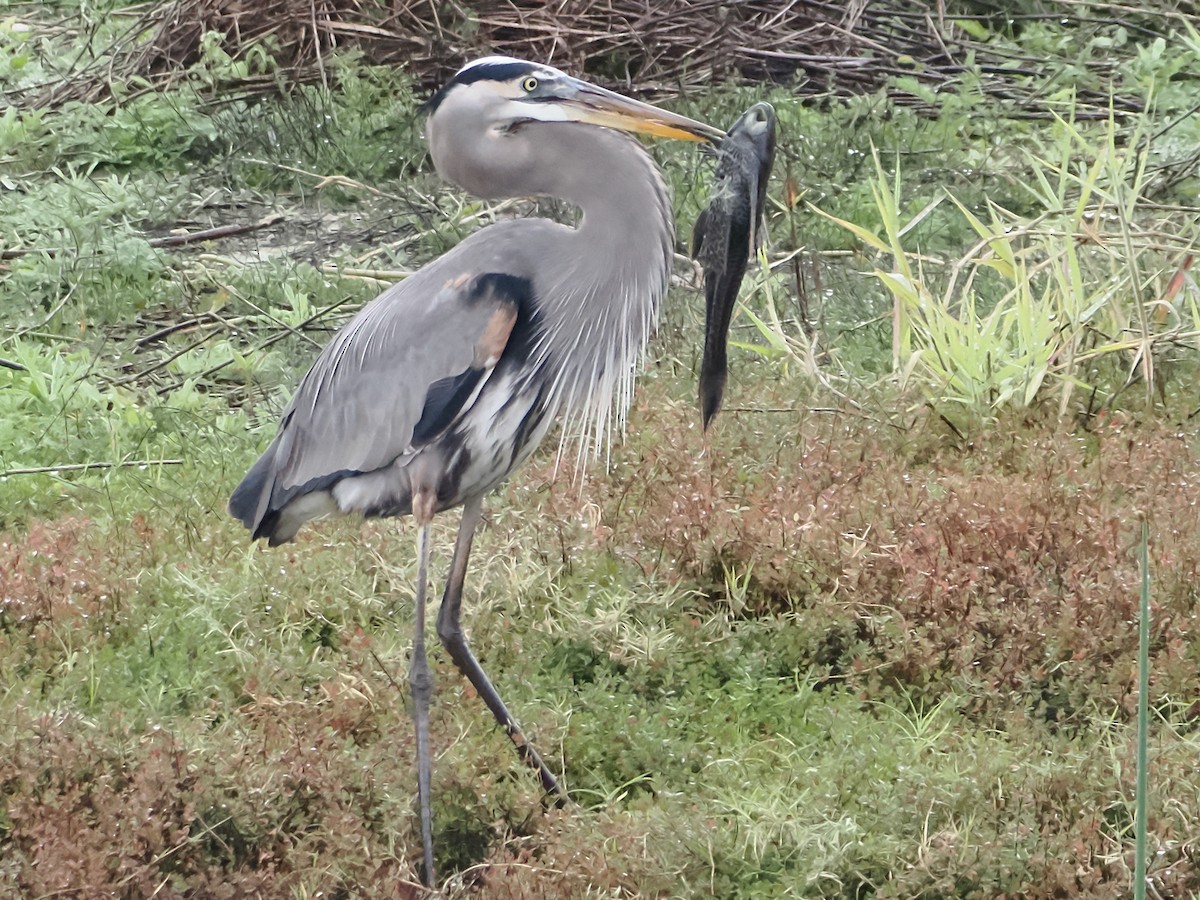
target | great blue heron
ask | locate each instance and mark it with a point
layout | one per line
(445, 383)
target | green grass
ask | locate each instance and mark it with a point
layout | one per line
(714, 745)
(869, 638)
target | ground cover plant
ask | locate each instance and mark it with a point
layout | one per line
(874, 635)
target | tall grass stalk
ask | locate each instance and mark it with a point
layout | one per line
(1139, 863)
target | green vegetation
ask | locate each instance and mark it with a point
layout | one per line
(876, 636)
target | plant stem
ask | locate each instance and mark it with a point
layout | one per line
(1139, 865)
(87, 467)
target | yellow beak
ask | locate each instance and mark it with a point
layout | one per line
(585, 102)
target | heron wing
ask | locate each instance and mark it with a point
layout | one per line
(397, 376)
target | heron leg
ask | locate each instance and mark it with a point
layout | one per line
(449, 629)
(420, 681)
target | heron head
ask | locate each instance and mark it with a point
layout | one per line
(507, 93)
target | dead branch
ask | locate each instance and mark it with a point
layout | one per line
(170, 240)
(89, 466)
(672, 46)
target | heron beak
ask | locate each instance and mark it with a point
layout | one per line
(585, 102)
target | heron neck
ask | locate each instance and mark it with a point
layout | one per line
(605, 303)
(620, 193)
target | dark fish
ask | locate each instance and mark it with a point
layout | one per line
(727, 234)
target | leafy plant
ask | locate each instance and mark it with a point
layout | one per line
(1039, 303)
(827, 649)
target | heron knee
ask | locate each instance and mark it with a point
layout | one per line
(420, 678)
(450, 633)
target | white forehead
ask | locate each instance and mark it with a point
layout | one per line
(490, 61)
(500, 60)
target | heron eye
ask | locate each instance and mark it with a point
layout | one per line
(529, 85)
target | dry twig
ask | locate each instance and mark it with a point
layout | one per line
(670, 46)
(91, 466)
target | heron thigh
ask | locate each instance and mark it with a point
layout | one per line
(384, 492)
(299, 511)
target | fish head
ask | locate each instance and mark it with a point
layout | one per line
(757, 126)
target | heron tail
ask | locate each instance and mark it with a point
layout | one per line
(247, 502)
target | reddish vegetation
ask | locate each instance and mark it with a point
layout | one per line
(145, 817)
(70, 798)
(52, 574)
(1007, 567)
(1010, 563)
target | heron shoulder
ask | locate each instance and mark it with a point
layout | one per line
(395, 378)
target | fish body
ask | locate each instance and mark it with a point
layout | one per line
(727, 234)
